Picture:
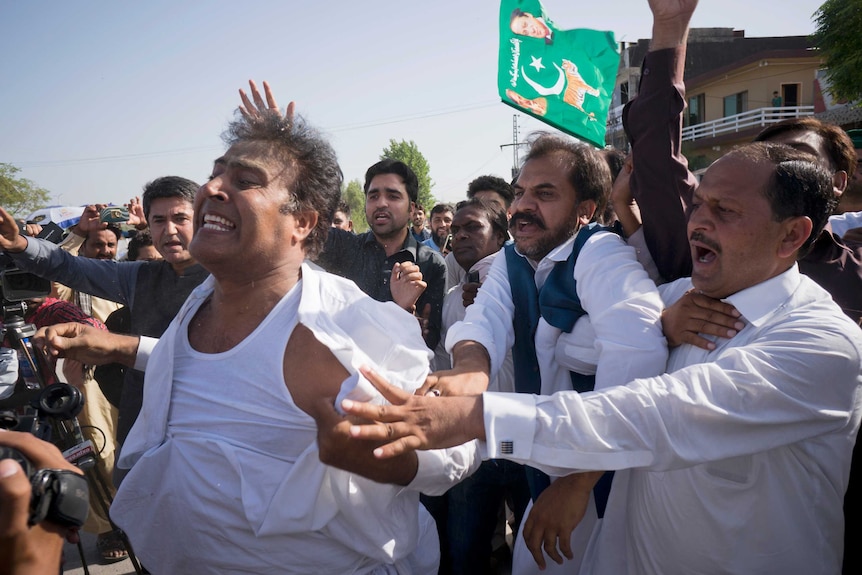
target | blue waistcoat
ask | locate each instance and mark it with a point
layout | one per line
(559, 305)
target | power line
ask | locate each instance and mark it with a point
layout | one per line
(344, 128)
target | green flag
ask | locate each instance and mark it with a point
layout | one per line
(564, 78)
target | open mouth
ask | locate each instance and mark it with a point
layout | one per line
(218, 223)
(704, 255)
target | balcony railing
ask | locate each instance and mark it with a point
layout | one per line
(755, 118)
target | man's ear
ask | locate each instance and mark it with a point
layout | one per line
(305, 222)
(586, 210)
(839, 182)
(796, 232)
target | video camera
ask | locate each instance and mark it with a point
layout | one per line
(59, 495)
(17, 285)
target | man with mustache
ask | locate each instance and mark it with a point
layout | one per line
(569, 300)
(737, 457)
(387, 261)
(662, 186)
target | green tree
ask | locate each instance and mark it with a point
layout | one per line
(355, 198)
(20, 196)
(408, 153)
(838, 35)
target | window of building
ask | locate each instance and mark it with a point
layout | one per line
(696, 109)
(735, 104)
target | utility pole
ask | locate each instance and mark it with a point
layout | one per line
(514, 145)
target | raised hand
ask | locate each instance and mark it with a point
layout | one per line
(254, 107)
(406, 285)
(10, 238)
(90, 220)
(136, 213)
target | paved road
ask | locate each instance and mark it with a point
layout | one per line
(72, 564)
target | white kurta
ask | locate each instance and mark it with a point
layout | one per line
(741, 454)
(225, 471)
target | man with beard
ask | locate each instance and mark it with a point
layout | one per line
(386, 262)
(568, 299)
(441, 222)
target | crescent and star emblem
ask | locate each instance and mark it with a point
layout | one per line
(554, 90)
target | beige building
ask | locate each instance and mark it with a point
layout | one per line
(731, 85)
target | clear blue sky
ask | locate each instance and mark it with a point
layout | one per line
(100, 97)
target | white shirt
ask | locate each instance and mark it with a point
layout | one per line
(740, 455)
(618, 340)
(257, 502)
(454, 311)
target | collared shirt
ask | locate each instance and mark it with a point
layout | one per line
(619, 339)
(621, 333)
(420, 236)
(361, 258)
(739, 456)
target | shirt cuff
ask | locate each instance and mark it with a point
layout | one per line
(145, 348)
(510, 425)
(439, 469)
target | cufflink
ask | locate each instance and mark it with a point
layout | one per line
(507, 447)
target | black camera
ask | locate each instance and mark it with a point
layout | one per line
(17, 285)
(59, 495)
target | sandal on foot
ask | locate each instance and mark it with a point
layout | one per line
(111, 547)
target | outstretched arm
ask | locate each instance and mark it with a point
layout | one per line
(87, 344)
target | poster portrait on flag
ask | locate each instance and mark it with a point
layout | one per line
(564, 78)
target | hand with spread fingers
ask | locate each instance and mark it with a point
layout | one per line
(136, 213)
(91, 220)
(415, 422)
(695, 315)
(255, 106)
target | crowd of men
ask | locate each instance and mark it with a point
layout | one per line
(634, 371)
